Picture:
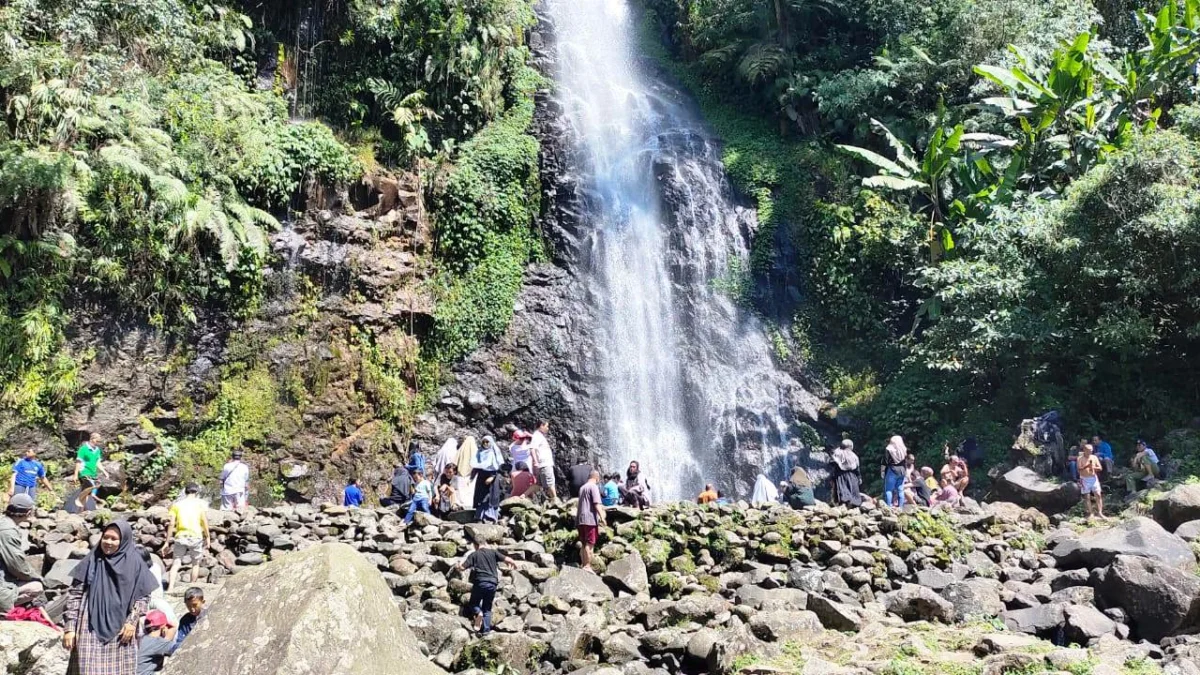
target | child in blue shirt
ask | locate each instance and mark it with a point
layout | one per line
(353, 496)
(610, 494)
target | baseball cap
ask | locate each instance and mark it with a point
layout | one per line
(21, 502)
(156, 619)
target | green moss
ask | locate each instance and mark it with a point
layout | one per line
(479, 654)
(246, 410)
(937, 529)
(709, 582)
(666, 584)
(683, 564)
(444, 549)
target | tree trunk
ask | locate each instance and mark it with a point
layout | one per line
(781, 21)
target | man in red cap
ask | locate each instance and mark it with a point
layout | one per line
(156, 643)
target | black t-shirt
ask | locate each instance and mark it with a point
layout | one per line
(402, 486)
(580, 473)
(485, 566)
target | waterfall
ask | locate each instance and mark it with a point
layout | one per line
(689, 382)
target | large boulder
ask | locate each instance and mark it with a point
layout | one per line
(1025, 487)
(628, 574)
(1159, 599)
(578, 586)
(1135, 537)
(917, 603)
(1177, 506)
(974, 598)
(1042, 620)
(31, 649)
(324, 610)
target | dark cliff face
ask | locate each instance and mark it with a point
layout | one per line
(546, 366)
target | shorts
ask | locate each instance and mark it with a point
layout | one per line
(233, 502)
(87, 482)
(1089, 485)
(188, 547)
(588, 534)
(545, 476)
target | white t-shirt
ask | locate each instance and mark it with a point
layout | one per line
(539, 447)
(234, 478)
(520, 454)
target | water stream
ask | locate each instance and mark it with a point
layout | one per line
(690, 386)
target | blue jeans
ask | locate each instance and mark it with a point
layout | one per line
(893, 485)
(30, 490)
(1073, 469)
(417, 503)
(482, 596)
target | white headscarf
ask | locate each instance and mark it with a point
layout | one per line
(896, 450)
(844, 456)
(447, 455)
(765, 491)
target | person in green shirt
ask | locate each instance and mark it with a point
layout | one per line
(88, 469)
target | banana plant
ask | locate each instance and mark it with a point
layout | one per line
(928, 177)
(1065, 117)
(1171, 53)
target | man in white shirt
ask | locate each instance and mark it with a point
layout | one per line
(543, 459)
(235, 484)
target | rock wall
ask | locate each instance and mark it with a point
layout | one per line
(686, 588)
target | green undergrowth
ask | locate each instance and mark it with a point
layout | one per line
(485, 214)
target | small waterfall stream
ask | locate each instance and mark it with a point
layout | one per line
(690, 387)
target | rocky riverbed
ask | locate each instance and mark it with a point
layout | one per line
(682, 588)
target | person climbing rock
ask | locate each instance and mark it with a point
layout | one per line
(484, 563)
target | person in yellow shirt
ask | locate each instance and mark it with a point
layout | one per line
(188, 536)
(927, 473)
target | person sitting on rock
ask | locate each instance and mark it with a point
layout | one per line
(799, 490)
(444, 496)
(422, 496)
(636, 491)
(915, 489)
(610, 494)
(193, 599)
(947, 496)
(1104, 452)
(20, 584)
(1089, 480)
(956, 469)
(523, 481)
(158, 599)
(400, 490)
(708, 496)
(188, 535)
(352, 496)
(1145, 467)
(722, 499)
(1073, 460)
(484, 563)
(931, 481)
(156, 645)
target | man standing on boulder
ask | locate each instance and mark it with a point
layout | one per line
(88, 468)
(589, 516)
(543, 459)
(20, 584)
(1089, 467)
(235, 484)
(484, 563)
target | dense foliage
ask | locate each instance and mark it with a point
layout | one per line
(1002, 219)
(137, 171)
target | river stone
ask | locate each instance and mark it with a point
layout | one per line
(1025, 487)
(1177, 507)
(578, 586)
(1135, 537)
(1189, 531)
(918, 603)
(1159, 599)
(290, 617)
(974, 598)
(628, 574)
(784, 626)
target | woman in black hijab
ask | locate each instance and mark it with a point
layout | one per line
(110, 591)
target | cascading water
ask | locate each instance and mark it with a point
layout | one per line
(689, 380)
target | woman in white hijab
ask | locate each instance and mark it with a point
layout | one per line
(447, 455)
(765, 491)
(847, 481)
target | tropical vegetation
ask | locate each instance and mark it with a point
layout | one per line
(1003, 218)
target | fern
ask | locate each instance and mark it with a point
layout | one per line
(763, 62)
